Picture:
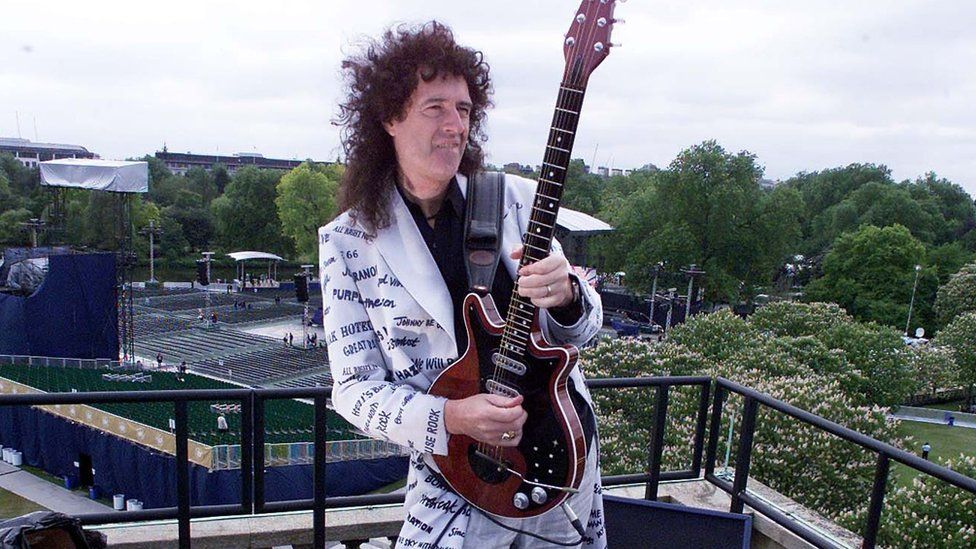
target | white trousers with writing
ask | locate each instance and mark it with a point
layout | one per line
(482, 533)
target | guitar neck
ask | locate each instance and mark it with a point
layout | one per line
(545, 206)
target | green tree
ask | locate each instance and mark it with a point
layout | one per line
(953, 203)
(197, 224)
(307, 200)
(10, 229)
(246, 216)
(220, 178)
(870, 273)
(960, 336)
(958, 295)
(824, 189)
(172, 243)
(583, 191)
(707, 208)
(201, 183)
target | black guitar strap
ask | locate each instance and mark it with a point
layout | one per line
(483, 229)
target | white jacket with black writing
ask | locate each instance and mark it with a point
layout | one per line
(389, 325)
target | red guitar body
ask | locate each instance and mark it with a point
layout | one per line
(552, 453)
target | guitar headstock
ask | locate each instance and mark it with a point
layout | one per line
(587, 42)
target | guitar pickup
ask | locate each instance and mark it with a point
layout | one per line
(496, 388)
(509, 364)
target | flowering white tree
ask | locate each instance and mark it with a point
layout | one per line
(929, 513)
(779, 357)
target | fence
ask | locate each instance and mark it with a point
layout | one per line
(63, 362)
(303, 453)
(254, 451)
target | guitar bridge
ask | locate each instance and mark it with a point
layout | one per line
(509, 364)
(497, 388)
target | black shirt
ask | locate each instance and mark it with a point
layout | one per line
(446, 244)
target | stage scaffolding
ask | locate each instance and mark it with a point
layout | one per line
(123, 179)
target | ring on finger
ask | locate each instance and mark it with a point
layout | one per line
(509, 435)
(548, 290)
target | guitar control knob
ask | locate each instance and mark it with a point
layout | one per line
(520, 501)
(539, 496)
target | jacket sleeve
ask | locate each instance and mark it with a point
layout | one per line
(589, 322)
(363, 391)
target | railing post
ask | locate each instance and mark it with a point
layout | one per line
(258, 453)
(700, 428)
(877, 499)
(713, 430)
(247, 452)
(657, 442)
(744, 453)
(318, 506)
(182, 473)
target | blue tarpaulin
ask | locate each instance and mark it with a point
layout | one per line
(55, 444)
(73, 314)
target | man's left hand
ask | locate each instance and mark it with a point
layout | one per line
(545, 282)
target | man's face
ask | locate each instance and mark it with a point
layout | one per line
(432, 135)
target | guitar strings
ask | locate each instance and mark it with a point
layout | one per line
(514, 339)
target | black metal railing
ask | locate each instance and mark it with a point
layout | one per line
(738, 488)
(252, 462)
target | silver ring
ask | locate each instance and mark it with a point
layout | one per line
(548, 290)
(508, 435)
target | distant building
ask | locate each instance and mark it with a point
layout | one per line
(30, 153)
(768, 184)
(180, 163)
(515, 167)
(603, 171)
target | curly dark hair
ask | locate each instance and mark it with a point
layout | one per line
(380, 81)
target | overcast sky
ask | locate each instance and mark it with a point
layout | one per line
(803, 85)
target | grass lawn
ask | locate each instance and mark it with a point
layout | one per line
(951, 406)
(946, 442)
(12, 505)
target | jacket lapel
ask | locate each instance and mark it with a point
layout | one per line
(405, 252)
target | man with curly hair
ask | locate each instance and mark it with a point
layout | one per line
(393, 280)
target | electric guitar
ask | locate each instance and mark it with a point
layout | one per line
(510, 357)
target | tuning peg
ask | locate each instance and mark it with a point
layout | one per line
(613, 45)
(619, 21)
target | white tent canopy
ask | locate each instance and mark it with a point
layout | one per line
(242, 256)
(96, 175)
(581, 223)
(243, 276)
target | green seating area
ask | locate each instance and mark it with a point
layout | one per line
(285, 420)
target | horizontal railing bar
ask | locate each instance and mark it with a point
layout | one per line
(783, 520)
(163, 513)
(770, 511)
(626, 382)
(104, 397)
(639, 478)
(916, 462)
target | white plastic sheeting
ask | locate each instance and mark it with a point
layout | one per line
(96, 175)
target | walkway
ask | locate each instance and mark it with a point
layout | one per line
(46, 494)
(962, 420)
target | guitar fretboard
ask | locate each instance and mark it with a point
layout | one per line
(538, 237)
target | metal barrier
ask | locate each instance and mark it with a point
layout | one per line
(61, 362)
(253, 452)
(738, 487)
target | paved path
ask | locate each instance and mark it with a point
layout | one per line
(46, 494)
(910, 417)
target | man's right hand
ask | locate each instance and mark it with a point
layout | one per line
(486, 418)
